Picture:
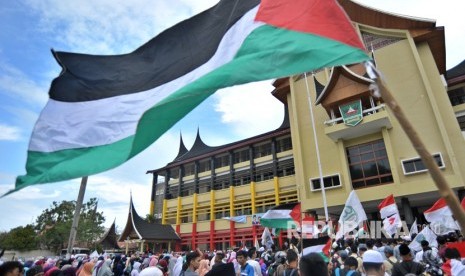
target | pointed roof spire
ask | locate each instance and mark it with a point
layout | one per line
(182, 148)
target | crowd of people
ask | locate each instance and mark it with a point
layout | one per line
(346, 258)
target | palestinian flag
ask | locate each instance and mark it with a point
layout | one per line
(103, 110)
(286, 216)
(320, 245)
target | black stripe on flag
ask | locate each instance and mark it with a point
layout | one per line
(171, 54)
(312, 242)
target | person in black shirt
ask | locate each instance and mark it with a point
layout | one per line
(407, 265)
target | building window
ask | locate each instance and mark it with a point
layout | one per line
(283, 144)
(189, 169)
(221, 182)
(415, 165)
(369, 164)
(262, 150)
(242, 179)
(188, 188)
(461, 121)
(241, 156)
(457, 96)
(204, 186)
(286, 168)
(330, 181)
(263, 173)
(204, 166)
(221, 161)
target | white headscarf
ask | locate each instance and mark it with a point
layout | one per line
(178, 266)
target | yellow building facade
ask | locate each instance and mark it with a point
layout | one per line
(375, 156)
(204, 185)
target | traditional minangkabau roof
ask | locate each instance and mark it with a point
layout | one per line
(421, 29)
(138, 228)
(456, 74)
(182, 148)
(345, 71)
(109, 239)
(201, 150)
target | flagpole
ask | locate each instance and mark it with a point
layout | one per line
(77, 213)
(320, 171)
(443, 188)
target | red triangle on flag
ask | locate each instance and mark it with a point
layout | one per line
(296, 213)
(326, 249)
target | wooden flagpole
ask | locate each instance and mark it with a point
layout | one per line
(443, 188)
(77, 213)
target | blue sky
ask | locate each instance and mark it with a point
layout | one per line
(30, 28)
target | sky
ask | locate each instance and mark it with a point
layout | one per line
(31, 28)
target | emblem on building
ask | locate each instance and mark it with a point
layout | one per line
(351, 113)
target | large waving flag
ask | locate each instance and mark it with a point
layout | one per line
(352, 215)
(425, 234)
(318, 245)
(103, 110)
(285, 216)
(440, 218)
(390, 215)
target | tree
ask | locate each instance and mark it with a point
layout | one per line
(150, 218)
(54, 224)
(19, 238)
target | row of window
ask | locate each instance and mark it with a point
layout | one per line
(238, 156)
(369, 166)
(239, 179)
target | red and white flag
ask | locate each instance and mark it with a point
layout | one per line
(437, 211)
(390, 215)
(440, 218)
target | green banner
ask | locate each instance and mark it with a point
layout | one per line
(352, 113)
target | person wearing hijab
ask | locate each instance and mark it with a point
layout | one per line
(171, 265)
(153, 261)
(105, 269)
(86, 269)
(135, 269)
(178, 266)
(204, 267)
(232, 259)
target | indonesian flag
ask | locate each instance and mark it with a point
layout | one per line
(440, 218)
(390, 215)
(437, 211)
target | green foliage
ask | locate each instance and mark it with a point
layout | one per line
(54, 224)
(150, 218)
(19, 238)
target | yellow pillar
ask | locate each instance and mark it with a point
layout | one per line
(163, 214)
(178, 212)
(276, 190)
(231, 201)
(152, 207)
(212, 205)
(252, 195)
(194, 209)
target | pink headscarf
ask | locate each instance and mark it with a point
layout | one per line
(204, 267)
(153, 261)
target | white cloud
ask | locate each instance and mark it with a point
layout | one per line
(16, 84)
(9, 133)
(250, 109)
(109, 26)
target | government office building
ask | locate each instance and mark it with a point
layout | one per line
(368, 152)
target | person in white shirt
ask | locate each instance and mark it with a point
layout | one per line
(252, 262)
